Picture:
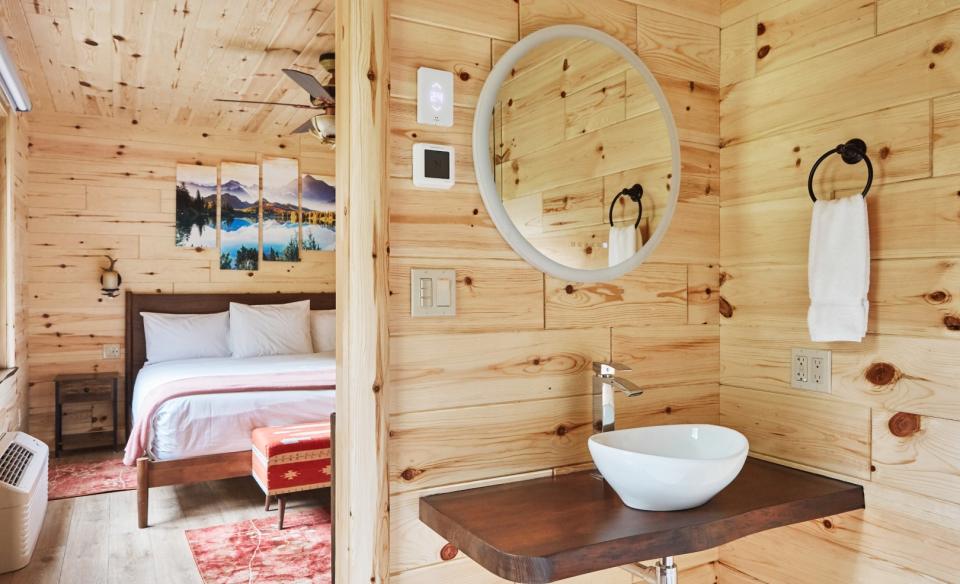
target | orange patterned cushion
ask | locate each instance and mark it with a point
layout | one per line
(292, 458)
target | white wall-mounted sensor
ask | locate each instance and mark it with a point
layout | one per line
(434, 166)
(434, 97)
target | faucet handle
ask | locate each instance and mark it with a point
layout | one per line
(609, 367)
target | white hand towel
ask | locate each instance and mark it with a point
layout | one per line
(622, 244)
(839, 270)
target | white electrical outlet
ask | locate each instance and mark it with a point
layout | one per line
(810, 369)
(111, 351)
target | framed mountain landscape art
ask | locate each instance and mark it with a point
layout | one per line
(318, 201)
(196, 206)
(239, 216)
(281, 210)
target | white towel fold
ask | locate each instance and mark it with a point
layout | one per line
(839, 270)
(621, 245)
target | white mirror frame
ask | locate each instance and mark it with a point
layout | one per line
(483, 165)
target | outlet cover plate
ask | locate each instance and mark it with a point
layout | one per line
(111, 351)
(433, 292)
(810, 370)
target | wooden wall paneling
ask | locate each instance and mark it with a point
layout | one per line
(894, 68)
(827, 434)
(668, 356)
(912, 374)
(617, 18)
(434, 448)
(733, 11)
(946, 135)
(651, 293)
(917, 453)
(415, 45)
(524, 392)
(431, 372)
(908, 220)
(705, 11)
(438, 224)
(498, 22)
(492, 295)
(738, 51)
(917, 297)
(678, 46)
(795, 31)
(892, 14)
(777, 167)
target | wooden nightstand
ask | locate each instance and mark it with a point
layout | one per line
(86, 412)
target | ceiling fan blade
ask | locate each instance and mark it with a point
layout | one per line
(299, 105)
(310, 84)
(304, 127)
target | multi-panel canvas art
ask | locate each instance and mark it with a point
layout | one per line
(239, 216)
(318, 200)
(281, 210)
(196, 206)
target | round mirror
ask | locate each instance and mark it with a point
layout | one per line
(576, 154)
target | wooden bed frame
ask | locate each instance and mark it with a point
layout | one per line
(153, 473)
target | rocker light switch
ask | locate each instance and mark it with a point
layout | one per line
(433, 292)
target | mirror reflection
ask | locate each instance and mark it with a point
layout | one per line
(581, 153)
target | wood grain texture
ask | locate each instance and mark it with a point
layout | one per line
(362, 514)
(135, 61)
(823, 74)
(529, 531)
(503, 387)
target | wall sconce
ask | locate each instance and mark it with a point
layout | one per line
(110, 280)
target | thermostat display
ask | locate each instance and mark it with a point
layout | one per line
(434, 97)
(433, 166)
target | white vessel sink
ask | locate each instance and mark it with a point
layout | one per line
(669, 468)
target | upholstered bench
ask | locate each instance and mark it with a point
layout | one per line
(289, 459)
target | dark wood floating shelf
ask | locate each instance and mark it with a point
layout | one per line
(548, 529)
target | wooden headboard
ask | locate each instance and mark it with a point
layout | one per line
(136, 347)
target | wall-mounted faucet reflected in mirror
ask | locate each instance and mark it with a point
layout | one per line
(605, 383)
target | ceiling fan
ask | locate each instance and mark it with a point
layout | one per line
(323, 125)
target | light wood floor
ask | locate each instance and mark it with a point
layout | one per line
(93, 540)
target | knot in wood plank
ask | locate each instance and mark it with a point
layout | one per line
(882, 373)
(902, 424)
(726, 309)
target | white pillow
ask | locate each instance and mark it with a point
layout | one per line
(186, 336)
(270, 329)
(323, 329)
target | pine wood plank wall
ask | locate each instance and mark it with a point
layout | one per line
(799, 77)
(13, 390)
(102, 186)
(501, 391)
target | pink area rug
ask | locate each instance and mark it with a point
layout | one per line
(77, 479)
(255, 551)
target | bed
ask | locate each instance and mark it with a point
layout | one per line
(207, 437)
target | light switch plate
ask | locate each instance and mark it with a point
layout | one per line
(433, 292)
(810, 369)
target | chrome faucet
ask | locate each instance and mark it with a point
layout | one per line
(605, 381)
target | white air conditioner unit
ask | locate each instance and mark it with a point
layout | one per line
(23, 497)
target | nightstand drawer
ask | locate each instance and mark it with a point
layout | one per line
(88, 390)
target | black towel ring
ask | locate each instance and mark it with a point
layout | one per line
(852, 152)
(635, 193)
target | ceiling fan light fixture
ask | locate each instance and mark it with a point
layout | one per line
(324, 128)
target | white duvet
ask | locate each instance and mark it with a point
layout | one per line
(217, 423)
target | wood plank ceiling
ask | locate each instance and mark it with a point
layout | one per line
(164, 61)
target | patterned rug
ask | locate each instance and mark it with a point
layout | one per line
(255, 551)
(77, 479)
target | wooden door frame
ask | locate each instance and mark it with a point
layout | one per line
(361, 481)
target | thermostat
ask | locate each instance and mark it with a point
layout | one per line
(434, 97)
(434, 166)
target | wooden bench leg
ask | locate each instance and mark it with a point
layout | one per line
(143, 491)
(266, 505)
(283, 507)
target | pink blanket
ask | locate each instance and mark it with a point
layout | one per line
(140, 433)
